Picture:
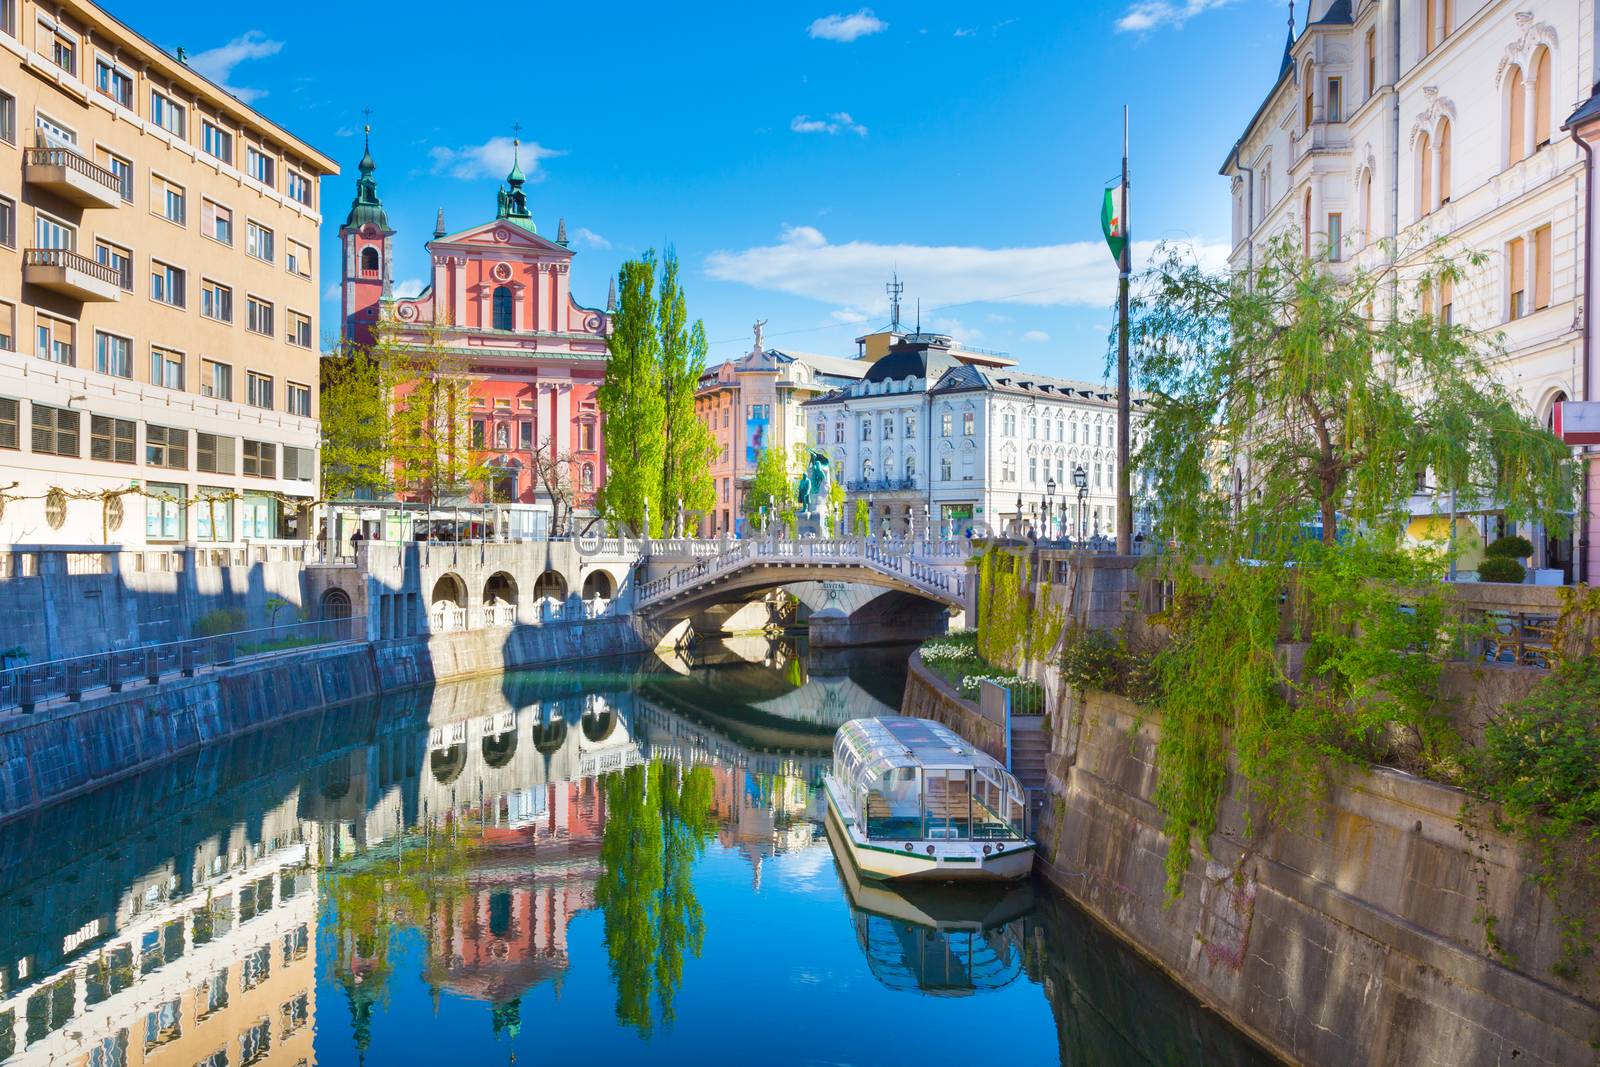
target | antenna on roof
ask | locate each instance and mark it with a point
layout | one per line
(919, 315)
(894, 289)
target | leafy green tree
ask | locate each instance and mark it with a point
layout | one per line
(633, 404)
(437, 454)
(862, 523)
(771, 490)
(836, 506)
(689, 447)
(1292, 413)
(357, 392)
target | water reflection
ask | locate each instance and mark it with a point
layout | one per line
(628, 847)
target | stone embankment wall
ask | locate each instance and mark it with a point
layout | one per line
(1353, 941)
(929, 696)
(64, 749)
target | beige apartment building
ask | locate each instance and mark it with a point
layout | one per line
(158, 295)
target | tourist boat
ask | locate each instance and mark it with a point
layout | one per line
(911, 800)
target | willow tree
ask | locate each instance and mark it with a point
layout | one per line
(688, 445)
(632, 402)
(1293, 412)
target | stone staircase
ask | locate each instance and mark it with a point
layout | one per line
(1030, 751)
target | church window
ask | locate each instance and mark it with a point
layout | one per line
(502, 307)
(369, 261)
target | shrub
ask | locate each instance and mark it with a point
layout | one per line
(1511, 546)
(221, 621)
(1500, 569)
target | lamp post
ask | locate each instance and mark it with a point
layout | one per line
(1018, 530)
(1049, 496)
(1080, 479)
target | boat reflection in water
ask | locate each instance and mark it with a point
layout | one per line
(950, 941)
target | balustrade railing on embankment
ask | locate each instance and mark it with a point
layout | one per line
(24, 686)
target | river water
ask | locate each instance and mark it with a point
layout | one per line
(622, 863)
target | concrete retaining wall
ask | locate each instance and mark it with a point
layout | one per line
(67, 749)
(929, 696)
(1353, 943)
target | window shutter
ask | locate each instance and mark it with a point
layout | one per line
(224, 455)
(126, 436)
(44, 437)
(100, 437)
(9, 417)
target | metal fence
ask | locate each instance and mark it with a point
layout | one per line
(27, 685)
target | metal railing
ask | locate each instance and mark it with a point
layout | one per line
(70, 260)
(27, 685)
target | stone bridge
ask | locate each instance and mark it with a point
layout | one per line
(913, 586)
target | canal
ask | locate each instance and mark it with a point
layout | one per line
(620, 863)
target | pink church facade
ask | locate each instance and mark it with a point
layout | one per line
(499, 297)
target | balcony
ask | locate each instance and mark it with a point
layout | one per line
(882, 485)
(69, 273)
(70, 176)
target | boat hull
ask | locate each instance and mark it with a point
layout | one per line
(948, 862)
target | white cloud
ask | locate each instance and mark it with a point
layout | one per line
(850, 315)
(1143, 16)
(1036, 337)
(492, 159)
(836, 122)
(218, 63)
(847, 28)
(408, 288)
(331, 292)
(955, 328)
(589, 239)
(964, 32)
(851, 275)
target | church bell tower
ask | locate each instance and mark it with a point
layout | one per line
(367, 243)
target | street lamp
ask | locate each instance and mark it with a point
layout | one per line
(1049, 495)
(1080, 479)
(1018, 531)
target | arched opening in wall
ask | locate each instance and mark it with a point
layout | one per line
(501, 588)
(498, 750)
(550, 584)
(447, 763)
(336, 780)
(369, 261)
(599, 722)
(502, 307)
(449, 589)
(598, 584)
(548, 737)
(335, 604)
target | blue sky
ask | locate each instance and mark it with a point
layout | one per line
(795, 153)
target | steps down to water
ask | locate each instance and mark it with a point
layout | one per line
(1030, 749)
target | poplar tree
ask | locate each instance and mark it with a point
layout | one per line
(632, 402)
(686, 459)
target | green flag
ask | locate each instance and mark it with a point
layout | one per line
(1111, 221)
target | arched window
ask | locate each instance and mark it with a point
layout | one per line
(502, 307)
(1541, 98)
(1424, 175)
(369, 260)
(911, 468)
(1308, 86)
(1516, 117)
(1443, 149)
(1366, 206)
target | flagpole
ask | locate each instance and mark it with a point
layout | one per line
(1124, 266)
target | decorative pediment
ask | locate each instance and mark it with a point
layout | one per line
(1519, 53)
(1427, 121)
(498, 234)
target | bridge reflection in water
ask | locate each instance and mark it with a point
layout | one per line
(479, 844)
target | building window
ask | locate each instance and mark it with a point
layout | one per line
(525, 436)
(1308, 85)
(866, 429)
(369, 261)
(113, 81)
(1442, 148)
(167, 284)
(946, 421)
(260, 459)
(258, 389)
(258, 520)
(216, 300)
(53, 340)
(967, 424)
(8, 222)
(258, 315)
(297, 258)
(166, 368)
(1335, 235)
(113, 355)
(166, 446)
(298, 186)
(112, 440)
(164, 512)
(944, 468)
(299, 329)
(1517, 275)
(8, 327)
(261, 167)
(216, 141)
(60, 45)
(168, 200)
(213, 453)
(53, 233)
(502, 307)
(1424, 175)
(55, 431)
(1372, 62)
(167, 113)
(1516, 117)
(258, 241)
(10, 423)
(1335, 99)
(8, 118)
(477, 433)
(124, 172)
(297, 463)
(299, 399)
(1541, 98)
(586, 437)
(216, 221)
(1541, 268)
(213, 520)
(216, 380)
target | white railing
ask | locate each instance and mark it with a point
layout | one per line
(900, 559)
(446, 617)
(499, 614)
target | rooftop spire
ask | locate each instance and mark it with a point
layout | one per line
(1288, 46)
(438, 224)
(561, 232)
(611, 296)
(366, 207)
(512, 202)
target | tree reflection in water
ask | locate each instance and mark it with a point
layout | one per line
(658, 819)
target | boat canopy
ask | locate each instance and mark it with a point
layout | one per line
(914, 778)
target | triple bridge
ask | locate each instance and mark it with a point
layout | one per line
(843, 581)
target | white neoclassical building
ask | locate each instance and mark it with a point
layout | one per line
(942, 442)
(1394, 123)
